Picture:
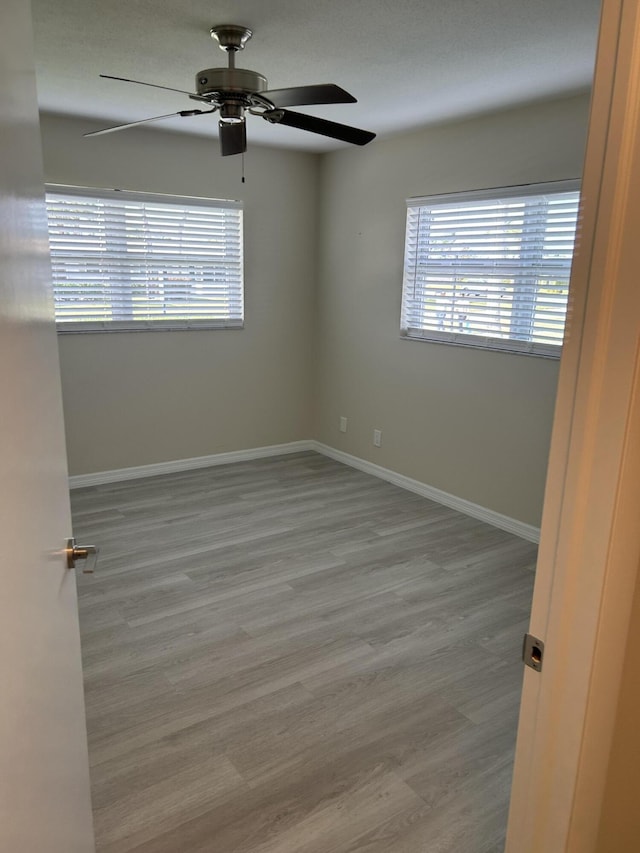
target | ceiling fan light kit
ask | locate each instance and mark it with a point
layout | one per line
(234, 92)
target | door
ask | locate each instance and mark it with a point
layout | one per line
(590, 538)
(44, 782)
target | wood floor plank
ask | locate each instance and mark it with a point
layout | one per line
(290, 656)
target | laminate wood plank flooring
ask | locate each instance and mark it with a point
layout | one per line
(290, 656)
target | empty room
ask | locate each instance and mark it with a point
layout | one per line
(308, 271)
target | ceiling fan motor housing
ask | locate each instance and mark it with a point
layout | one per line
(229, 81)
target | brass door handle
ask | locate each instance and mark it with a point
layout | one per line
(81, 552)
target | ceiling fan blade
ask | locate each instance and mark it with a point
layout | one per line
(183, 113)
(320, 125)
(325, 93)
(233, 137)
(156, 86)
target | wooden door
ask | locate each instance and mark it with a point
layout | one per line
(44, 782)
(590, 539)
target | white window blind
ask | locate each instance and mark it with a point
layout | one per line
(491, 268)
(123, 260)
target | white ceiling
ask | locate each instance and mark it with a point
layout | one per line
(408, 62)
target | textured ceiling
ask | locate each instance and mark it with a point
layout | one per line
(408, 62)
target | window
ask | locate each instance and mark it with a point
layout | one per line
(123, 260)
(491, 268)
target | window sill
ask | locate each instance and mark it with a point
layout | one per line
(112, 328)
(506, 347)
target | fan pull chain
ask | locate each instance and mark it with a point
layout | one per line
(243, 167)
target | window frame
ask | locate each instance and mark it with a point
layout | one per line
(464, 339)
(66, 327)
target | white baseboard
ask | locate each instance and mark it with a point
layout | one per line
(117, 475)
(504, 522)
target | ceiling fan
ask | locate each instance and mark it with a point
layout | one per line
(235, 91)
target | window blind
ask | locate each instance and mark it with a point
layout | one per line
(491, 268)
(126, 261)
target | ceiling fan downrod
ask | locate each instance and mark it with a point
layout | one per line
(231, 37)
(231, 87)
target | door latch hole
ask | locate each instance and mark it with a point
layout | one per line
(533, 652)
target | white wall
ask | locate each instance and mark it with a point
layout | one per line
(137, 398)
(473, 423)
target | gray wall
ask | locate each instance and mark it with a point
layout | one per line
(324, 252)
(473, 423)
(137, 398)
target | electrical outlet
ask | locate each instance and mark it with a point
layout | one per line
(343, 424)
(377, 437)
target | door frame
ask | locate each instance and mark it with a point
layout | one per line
(590, 537)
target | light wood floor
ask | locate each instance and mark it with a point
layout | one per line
(290, 656)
